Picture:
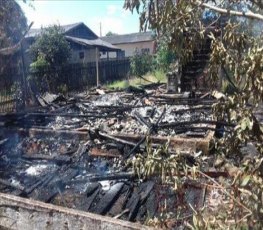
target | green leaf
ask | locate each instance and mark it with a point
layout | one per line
(243, 124)
(233, 115)
(245, 180)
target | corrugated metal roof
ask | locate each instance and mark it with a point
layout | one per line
(129, 38)
(95, 42)
(35, 32)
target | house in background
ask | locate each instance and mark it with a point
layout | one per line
(85, 45)
(143, 42)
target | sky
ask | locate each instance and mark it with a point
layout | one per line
(109, 13)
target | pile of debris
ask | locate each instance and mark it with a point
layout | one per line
(73, 152)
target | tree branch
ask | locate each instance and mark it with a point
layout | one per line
(230, 12)
(12, 49)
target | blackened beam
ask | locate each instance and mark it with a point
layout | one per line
(141, 120)
(202, 108)
(3, 141)
(43, 181)
(108, 199)
(153, 127)
(110, 176)
(58, 159)
(69, 115)
(12, 185)
(183, 123)
(119, 140)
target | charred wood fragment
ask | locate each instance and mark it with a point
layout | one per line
(101, 177)
(12, 185)
(57, 159)
(108, 199)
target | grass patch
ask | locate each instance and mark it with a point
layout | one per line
(160, 76)
(157, 76)
(118, 84)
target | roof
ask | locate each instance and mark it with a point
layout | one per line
(129, 38)
(97, 42)
(94, 42)
(34, 32)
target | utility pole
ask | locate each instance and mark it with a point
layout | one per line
(100, 30)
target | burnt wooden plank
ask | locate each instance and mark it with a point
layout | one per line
(67, 175)
(12, 185)
(58, 159)
(145, 189)
(43, 181)
(138, 199)
(133, 206)
(47, 193)
(117, 208)
(90, 199)
(151, 205)
(107, 176)
(54, 184)
(108, 199)
(91, 188)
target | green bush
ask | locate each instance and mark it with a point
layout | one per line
(141, 64)
(50, 53)
(164, 56)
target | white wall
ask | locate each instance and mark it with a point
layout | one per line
(130, 48)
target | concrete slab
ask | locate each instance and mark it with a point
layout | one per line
(20, 213)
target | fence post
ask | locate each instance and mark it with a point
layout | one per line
(97, 65)
(23, 80)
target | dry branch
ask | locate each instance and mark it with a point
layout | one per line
(250, 15)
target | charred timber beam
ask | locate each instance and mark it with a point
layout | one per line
(12, 185)
(153, 127)
(80, 135)
(2, 142)
(119, 140)
(192, 109)
(69, 115)
(111, 176)
(175, 124)
(108, 199)
(141, 120)
(57, 159)
(43, 181)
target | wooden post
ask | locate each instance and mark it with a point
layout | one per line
(23, 80)
(97, 65)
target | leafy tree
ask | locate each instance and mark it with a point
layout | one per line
(110, 34)
(13, 24)
(164, 56)
(141, 63)
(50, 53)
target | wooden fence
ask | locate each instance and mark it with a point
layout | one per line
(82, 76)
(14, 82)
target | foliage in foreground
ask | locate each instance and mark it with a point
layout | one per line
(233, 202)
(13, 24)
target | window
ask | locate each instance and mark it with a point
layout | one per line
(121, 54)
(145, 51)
(81, 55)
